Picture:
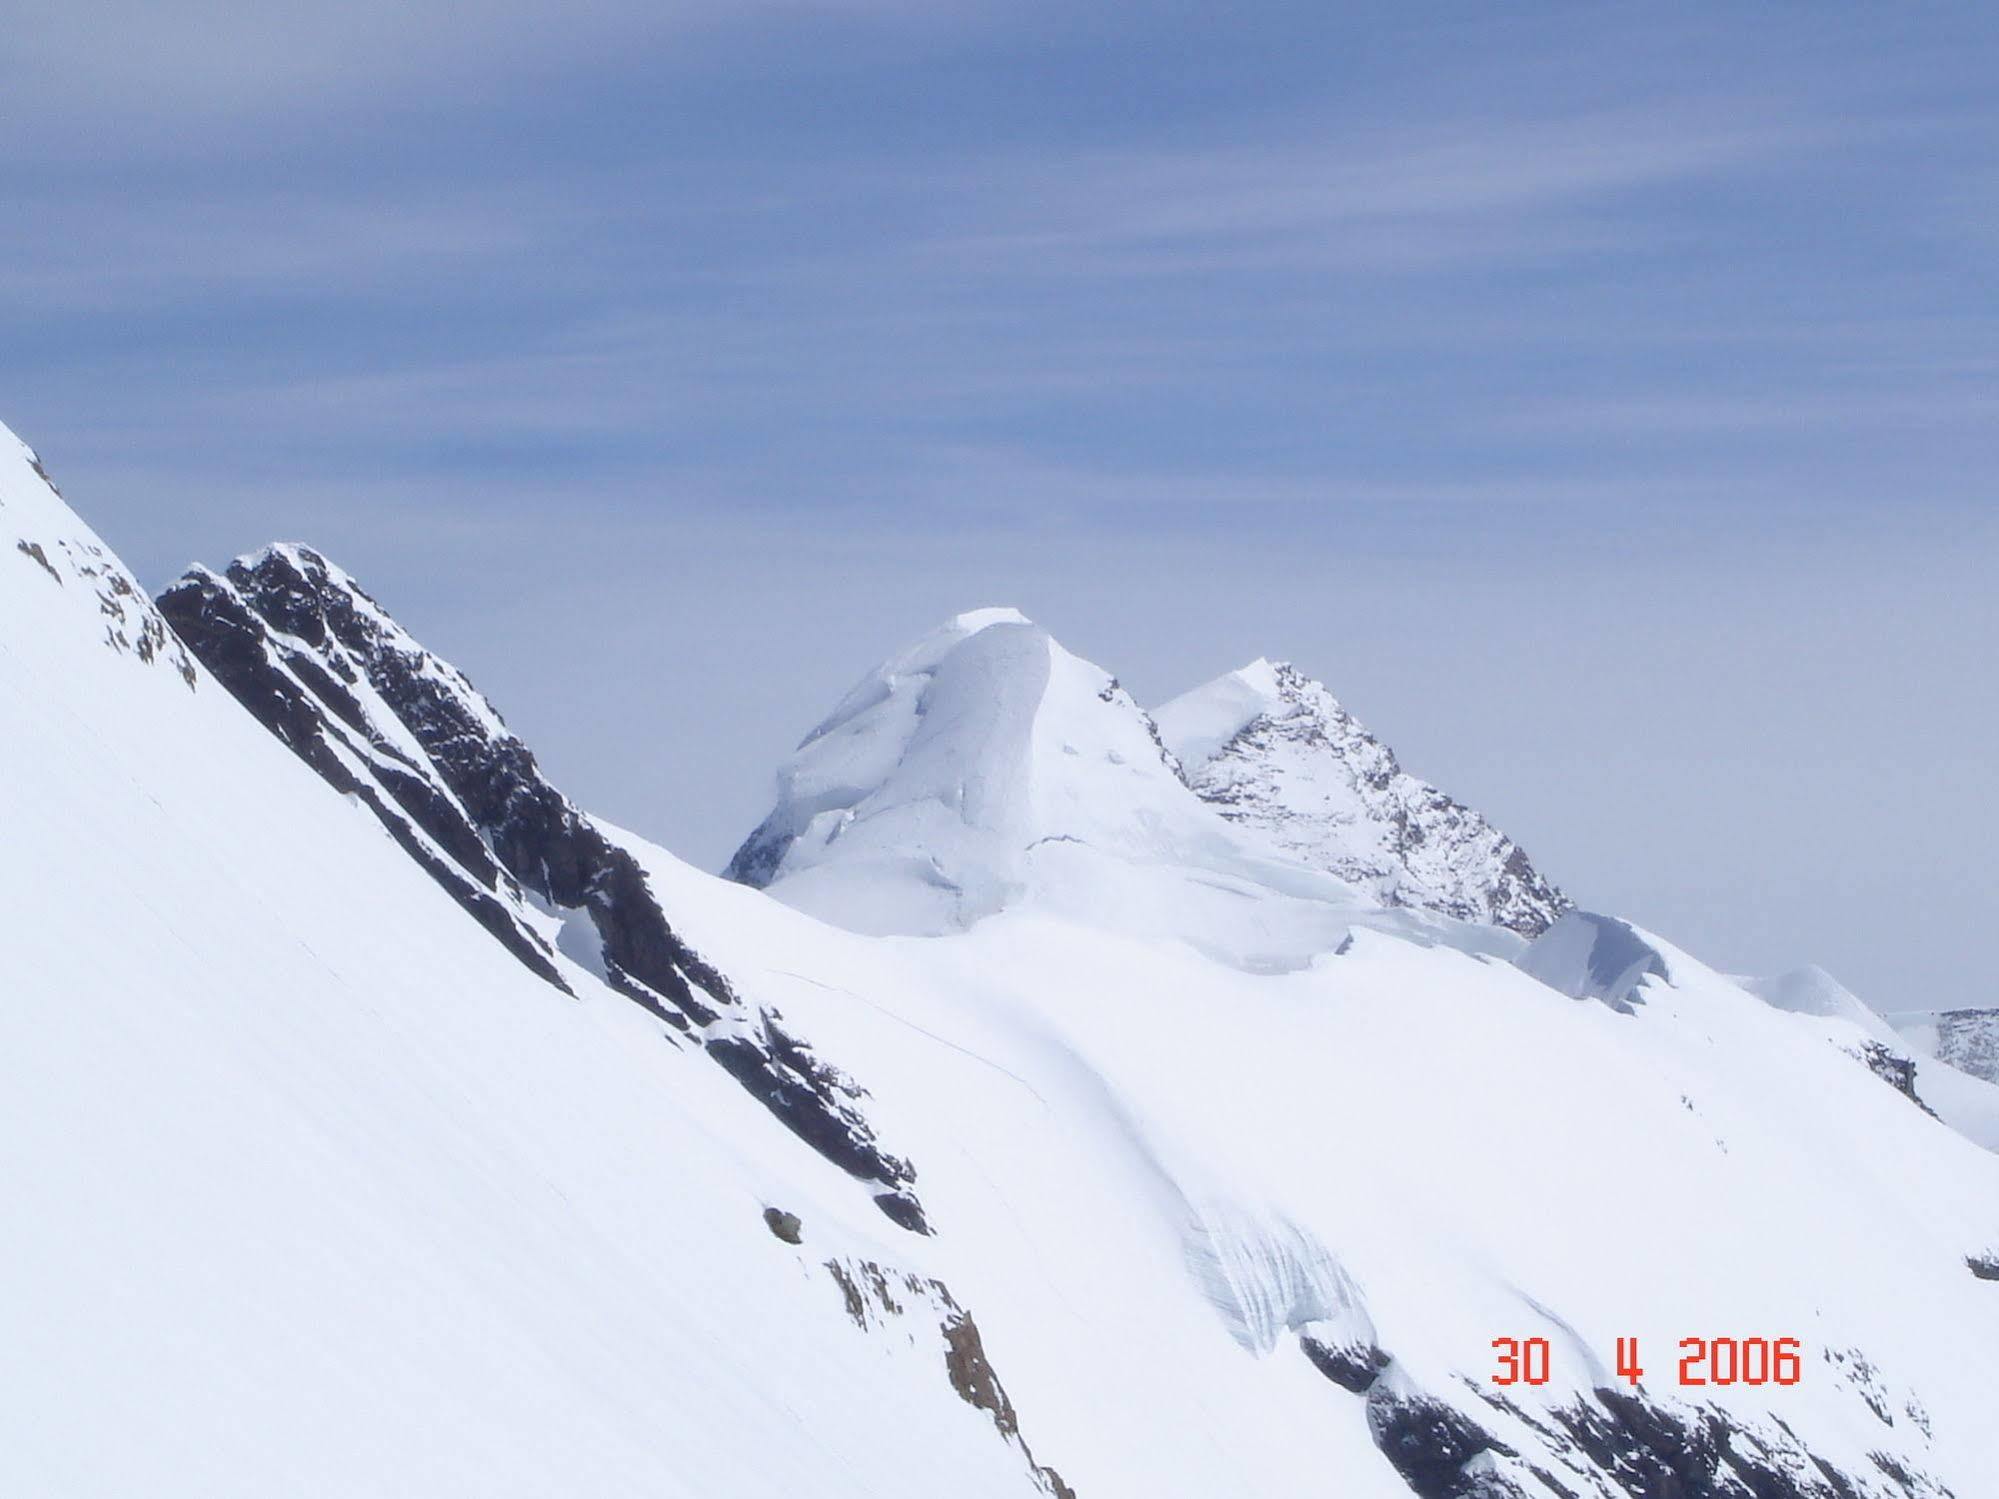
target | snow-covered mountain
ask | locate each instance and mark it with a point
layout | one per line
(1967, 1039)
(1812, 991)
(1273, 750)
(315, 1187)
(938, 785)
(362, 1137)
(986, 768)
(301, 645)
(1899, 1049)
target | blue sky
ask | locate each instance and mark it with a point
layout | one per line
(1600, 398)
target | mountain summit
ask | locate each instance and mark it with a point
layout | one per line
(1272, 749)
(947, 779)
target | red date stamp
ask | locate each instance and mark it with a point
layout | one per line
(1703, 1361)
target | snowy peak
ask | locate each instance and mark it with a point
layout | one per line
(1272, 750)
(1810, 990)
(918, 804)
(1932, 1058)
(916, 663)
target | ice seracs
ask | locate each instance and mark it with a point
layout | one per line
(1274, 751)
(1587, 956)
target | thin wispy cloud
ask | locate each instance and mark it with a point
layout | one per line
(207, 63)
(1352, 329)
(1426, 197)
(1940, 405)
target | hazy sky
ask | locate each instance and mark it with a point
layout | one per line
(1601, 399)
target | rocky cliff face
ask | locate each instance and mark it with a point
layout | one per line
(1969, 1041)
(327, 670)
(1273, 750)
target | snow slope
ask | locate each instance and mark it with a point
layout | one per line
(1812, 991)
(322, 1189)
(1275, 751)
(1403, 1152)
(1894, 1046)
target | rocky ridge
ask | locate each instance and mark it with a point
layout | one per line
(323, 666)
(1272, 749)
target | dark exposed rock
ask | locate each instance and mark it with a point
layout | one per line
(873, 1294)
(1642, 1449)
(1856, 1370)
(1651, 1453)
(902, 1209)
(1984, 1266)
(1351, 1366)
(1429, 1443)
(35, 463)
(971, 1373)
(235, 646)
(1616, 1442)
(756, 863)
(320, 664)
(33, 550)
(1896, 1070)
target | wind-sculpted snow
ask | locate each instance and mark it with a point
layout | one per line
(1273, 750)
(1587, 956)
(326, 669)
(920, 775)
